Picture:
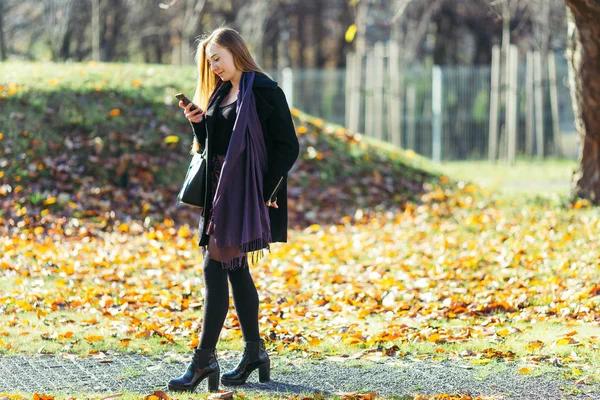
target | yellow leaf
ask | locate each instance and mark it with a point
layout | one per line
(24, 305)
(351, 340)
(171, 139)
(50, 200)
(183, 232)
(350, 33)
(503, 332)
(434, 338)
(314, 342)
(534, 345)
(565, 341)
(314, 227)
(524, 370)
(482, 361)
(137, 83)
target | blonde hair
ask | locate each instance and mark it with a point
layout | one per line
(208, 81)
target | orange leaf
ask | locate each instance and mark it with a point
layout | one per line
(38, 396)
(94, 338)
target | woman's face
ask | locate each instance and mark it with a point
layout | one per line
(220, 61)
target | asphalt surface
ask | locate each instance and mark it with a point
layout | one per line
(115, 373)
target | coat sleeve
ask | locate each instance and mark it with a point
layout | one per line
(285, 145)
(199, 130)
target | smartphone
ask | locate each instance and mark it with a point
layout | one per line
(185, 100)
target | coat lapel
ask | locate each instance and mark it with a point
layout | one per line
(263, 108)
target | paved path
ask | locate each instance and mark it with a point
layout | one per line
(142, 374)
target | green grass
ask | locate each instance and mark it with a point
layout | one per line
(528, 175)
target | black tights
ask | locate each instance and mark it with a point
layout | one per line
(216, 302)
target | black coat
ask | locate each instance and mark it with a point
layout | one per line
(282, 150)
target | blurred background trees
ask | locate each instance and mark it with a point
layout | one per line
(316, 36)
(299, 34)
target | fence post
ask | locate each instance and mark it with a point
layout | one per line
(529, 121)
(494, 100)
(369, 86)
(395, 101)
(436, 109)
(554, 103)
(349, 84)
(287, 84)
(539, 103)
(411, 122)
(356, 85)
(378, 78)
(511, 109)
(356, 92)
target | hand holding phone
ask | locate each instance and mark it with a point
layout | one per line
(192, 112)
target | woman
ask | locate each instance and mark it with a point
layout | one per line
(251, 144)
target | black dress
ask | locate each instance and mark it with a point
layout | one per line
(224, 121)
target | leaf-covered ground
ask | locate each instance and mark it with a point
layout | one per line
(385, 258)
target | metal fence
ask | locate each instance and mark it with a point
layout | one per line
(465, 106)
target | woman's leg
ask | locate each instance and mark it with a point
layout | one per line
(245, 299)
(216, 301)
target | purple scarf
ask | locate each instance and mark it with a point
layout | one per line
(240, 215)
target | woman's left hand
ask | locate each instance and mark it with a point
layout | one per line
(273, 204)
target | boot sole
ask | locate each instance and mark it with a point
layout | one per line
(264, 375)
(212, 383)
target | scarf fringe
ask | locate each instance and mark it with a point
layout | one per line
(255, 250)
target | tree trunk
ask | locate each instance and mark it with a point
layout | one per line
(114, 14)
(2, 44)
(96, 30)
(584, 63)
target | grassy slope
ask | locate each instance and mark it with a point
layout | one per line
(96, 138)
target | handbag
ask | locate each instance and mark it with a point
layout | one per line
(193, 190)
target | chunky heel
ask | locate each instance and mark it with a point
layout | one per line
(254, 357)
(213, 382)
(264, 372)
(204, 364)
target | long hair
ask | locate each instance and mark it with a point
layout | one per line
(208, 81)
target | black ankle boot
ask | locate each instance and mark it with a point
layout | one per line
(204, 364)
(254, 357)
